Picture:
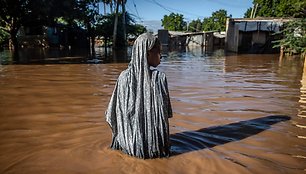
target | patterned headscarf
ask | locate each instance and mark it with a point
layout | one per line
(139, 108)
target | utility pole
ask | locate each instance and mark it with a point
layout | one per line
(254, 11)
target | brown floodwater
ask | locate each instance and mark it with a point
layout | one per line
(232, 114)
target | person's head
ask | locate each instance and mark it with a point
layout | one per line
(145, 52)
(153, 55)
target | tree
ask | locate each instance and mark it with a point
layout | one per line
(89, 17)
(294, 37)
(115, 25)
(15, 13)
(216, 22)
(199, 25)
(118, 3)
(195, 25)
(4, 36)
(247, 14)
(105, 2)
(174, 22)
(124, 20)
(136, 29)
(67, 10)
(208, 24)
(280, 8)
(73, 13)
(105, 28)
(12, 13)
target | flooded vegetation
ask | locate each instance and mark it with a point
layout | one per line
(232, 114)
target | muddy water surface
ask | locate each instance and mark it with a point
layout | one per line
(232, 114)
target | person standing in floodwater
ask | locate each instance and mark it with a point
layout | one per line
(140, 106)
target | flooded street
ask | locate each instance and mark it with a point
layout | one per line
(232, 114)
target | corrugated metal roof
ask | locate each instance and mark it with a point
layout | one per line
(260, 24)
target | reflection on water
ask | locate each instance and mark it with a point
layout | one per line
(301, 119)
(232, 114)
(64, 56)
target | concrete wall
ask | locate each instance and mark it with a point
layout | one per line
(252, 35)
(205, 39)
(178, 39)
(197, 40)
(163, 36)
(259, 37)
(232, 36)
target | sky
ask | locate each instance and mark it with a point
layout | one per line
(150, 12)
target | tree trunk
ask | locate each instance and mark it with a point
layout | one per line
(105, 47)
(124, 21)
(104, 3)
(14, 39)
(93, 52)
(91, 36)
(115, 26)
(15, 45)
(111, 6)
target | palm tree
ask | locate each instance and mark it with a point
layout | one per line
(111, 5)
(124, 20)
(108, 2)
(118, 2)
(104, 5)
(115, 24)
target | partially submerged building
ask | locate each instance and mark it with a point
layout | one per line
(253, 35)
(209, 40)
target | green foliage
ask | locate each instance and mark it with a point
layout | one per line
(281, 8)
(12, 10)
(4, 36)
(216, 22)
(73, 13)
(174, 22)
(195, 25)
(36, 12)
(12, 14)
(247, 14)
(4, 32)
(17, 13)
(294, 37)
(88, 13)
(106, 26)
(136, 29)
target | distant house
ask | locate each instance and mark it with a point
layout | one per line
(58, 35)
(32, 36)
(255, 35)
(209, 40)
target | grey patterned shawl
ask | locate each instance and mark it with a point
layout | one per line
(139, 108)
